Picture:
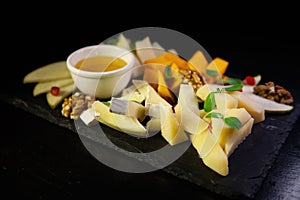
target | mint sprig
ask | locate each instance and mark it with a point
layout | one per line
(210, 102)
(232, 122)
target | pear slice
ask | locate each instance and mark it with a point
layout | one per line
(123, 123)
(254, 108)
(268, 105)
(53, 71)
(44, 87)
(64, 92)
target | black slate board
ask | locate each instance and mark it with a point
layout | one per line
(248, 165)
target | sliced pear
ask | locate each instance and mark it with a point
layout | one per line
(44, 87)
(171, 130)
(53, 71)
(255, 109)
(64, 92)
(123, 123)
(268, 105)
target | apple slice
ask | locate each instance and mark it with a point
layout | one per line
(44, 87)
(64, 92)
(53, 71)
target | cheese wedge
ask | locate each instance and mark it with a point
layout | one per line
(217, 160)
(171, 130)
(144, 49)
(123, 123)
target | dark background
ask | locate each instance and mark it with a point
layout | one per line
(43, 161)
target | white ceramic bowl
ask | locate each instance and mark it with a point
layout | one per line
(101, 85)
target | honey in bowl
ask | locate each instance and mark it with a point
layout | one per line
(100, 64)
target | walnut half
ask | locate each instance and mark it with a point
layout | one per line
(73, 106)
(274, 92)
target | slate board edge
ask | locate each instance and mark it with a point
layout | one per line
(178, 172)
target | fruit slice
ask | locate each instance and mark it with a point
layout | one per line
(44, 87)
(268, 105)
(65, 91)
(255, 109)
(50, 72)
(122, 123)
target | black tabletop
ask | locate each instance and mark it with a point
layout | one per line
(41, 160)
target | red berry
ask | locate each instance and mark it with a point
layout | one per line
(250, 80)
(54, 91)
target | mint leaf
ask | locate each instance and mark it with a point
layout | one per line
(234, 88)
(107, 103)
(168, 72)
(214, 115)
(233, 81)
(233, 122)
(112, 41)
(209, 103)
(212, 72)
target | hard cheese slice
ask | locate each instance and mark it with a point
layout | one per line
(124, 123)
